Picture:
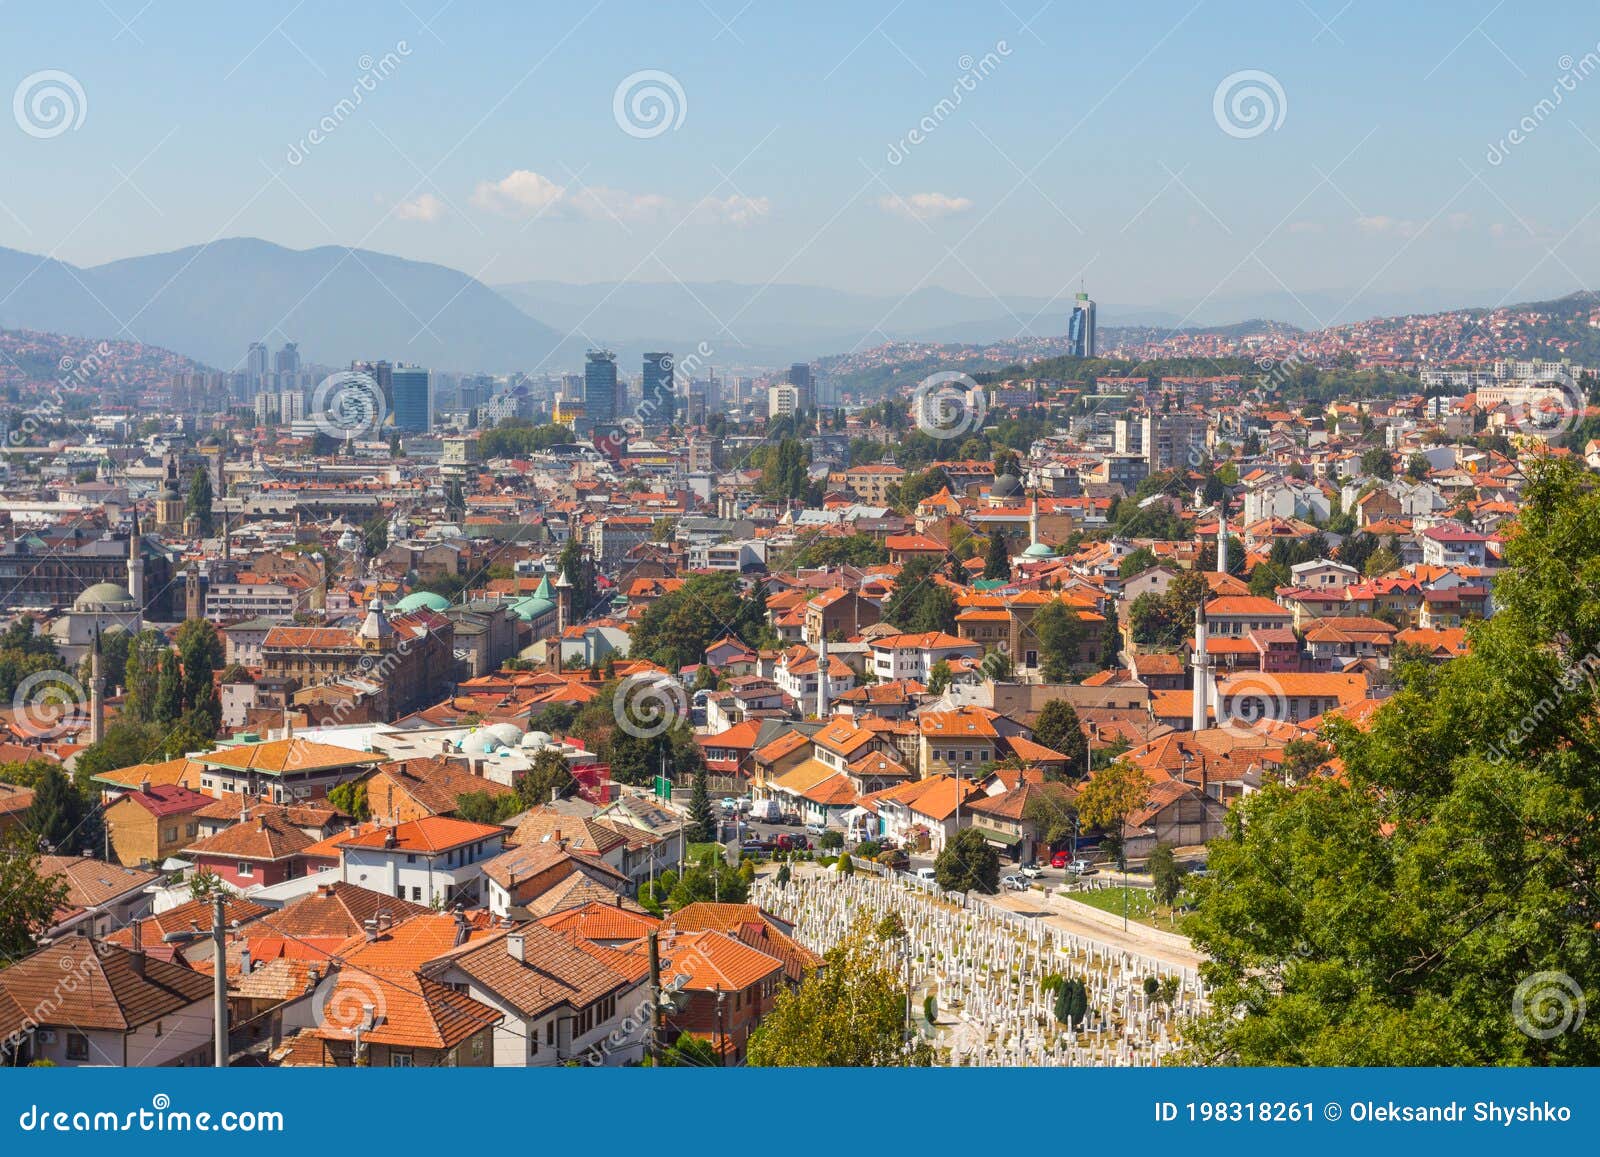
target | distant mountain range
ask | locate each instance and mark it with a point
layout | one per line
(209, 302)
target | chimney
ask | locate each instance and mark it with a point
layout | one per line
(144, 785)
(244, 960)
(370, 928)
(137, 929)
(516, 946)
(388, 838)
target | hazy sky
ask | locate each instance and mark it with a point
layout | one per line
(1092, 143)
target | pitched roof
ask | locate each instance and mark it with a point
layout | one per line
(277, 756)
(554, 970)
(91, 882)
(267, 835)
(429, 835)
(115, 990)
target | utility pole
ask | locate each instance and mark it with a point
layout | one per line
(219, 987)
(652, 1044)
(219, 973)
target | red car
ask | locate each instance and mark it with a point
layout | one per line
(1060, 859)
(792, 842)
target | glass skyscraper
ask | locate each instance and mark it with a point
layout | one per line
(600, 388)
(1080, 330)
(413, 408)
(656, 406)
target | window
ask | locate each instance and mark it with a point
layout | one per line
(416, 893)
(169, 834)
(77, 1047)
(192, 829)
(403, 1060)
(244, 869)
(411, 858)
(550, 1032)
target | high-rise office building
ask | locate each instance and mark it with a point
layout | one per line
(256, 364)
(413, 402)
(800, 379)
(656, 405)
(287, 360)
(1080, 330)
(600, 387)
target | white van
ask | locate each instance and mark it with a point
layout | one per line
(766, 811)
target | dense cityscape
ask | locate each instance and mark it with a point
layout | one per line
(645, 600)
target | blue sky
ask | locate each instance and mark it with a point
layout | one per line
(1090, 147)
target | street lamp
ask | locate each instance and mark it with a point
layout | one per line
(219, 978)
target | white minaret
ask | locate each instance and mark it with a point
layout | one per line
(1198, 715)
(822, 677)
(136, 565)
(1222, 536)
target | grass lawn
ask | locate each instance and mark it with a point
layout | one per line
(1142, 906)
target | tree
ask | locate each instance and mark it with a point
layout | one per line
(708, 878)
(1432, 905)
(31, 900)
(997, 560)
(702, 820)
(1058, 728)
(1166, 872)
(198, 504)
(939, 677)
(1072, 1002)
(1378, 463)
(676, 628)
(547, 780)
(480, 807)
(1136, 563)
(919, 602)
(851, 1013)
(169, 690)
(351, 798)
(1417, 467)
(1059, 632)
(968, 864)
(1381, 562)
(59, 815)
(1110, 796)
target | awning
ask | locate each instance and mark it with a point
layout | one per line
(1002, 838)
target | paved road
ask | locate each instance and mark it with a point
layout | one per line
(1058, 913)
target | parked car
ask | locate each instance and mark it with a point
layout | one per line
(791, 842)
(766, 811)
(816, 829)
(756, 844)
(1082, 868)
(789, 819)
(1060, 859)
(1031, 870)
(1014, 882)
(925, 874)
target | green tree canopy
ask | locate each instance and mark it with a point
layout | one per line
(849, 1014)
(1435, 903)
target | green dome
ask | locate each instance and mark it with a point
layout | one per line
(422, 601)
(1039, 550)
(104, 597)
(544, 591)
(533, 608)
